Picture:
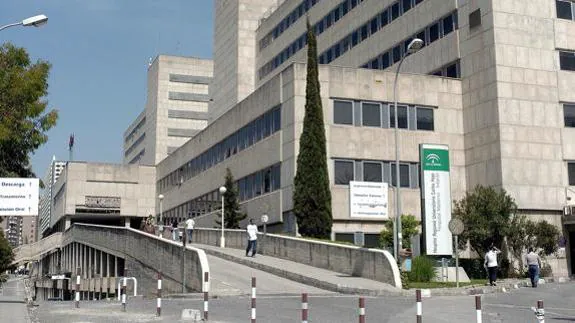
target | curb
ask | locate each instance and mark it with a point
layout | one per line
(342, 289)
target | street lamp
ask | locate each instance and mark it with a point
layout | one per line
(415, 45)
(35, 21)
(222, 239)
(160, 224)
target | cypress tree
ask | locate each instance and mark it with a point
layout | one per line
(312, 195)
(232, 213)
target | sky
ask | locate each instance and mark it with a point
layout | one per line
(99, 51)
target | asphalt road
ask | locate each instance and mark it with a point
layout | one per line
(12, 306)
(514, 307)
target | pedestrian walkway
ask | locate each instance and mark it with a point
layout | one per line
(13, 307)
(305, 274)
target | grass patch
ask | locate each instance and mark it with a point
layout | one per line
(419, 285)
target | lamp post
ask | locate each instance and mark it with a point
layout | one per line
(415, 45)
(160, 224)
(35, 21)
(222, 239)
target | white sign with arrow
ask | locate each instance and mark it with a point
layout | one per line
(19, 196)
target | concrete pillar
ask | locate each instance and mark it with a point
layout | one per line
(101, 264)
(115, 266)
(127, 222)
(90, 262)
(67, 224)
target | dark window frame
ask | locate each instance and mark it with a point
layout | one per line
(351, 112)
(345, 177)
(569, 118)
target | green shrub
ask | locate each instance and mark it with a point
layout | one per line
(422, 269)
(546, 271)
(474, 268)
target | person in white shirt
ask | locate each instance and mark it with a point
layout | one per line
(190, 223)
(491, 264)
(252, 231)
(533, 262)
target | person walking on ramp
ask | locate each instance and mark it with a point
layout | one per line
(252, 231)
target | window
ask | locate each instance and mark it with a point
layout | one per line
(372, 172)
(433, 33)
(571, 173)
(384, 18)
(475, 18)
(569, 115)
(406, 4)
(343, 112)
(385, 60)
(374, 25)
(567, 60)
(448, 24)
(394, 11)
(565, 9)
(403, 175)
(452, 71)
(364, 32)
(371, 115)
(343, 172)
(396, 54)
(401, 116)
(425, 119)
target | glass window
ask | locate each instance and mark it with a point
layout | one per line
(277, 119)
(567, 60)
(421, 35)
(406, 4)
(401, 116)
(564, 9)
(249, 187)
(569, 115)
(384, 18)
(451, 71)
(403, 175)
(343, 172)
(394, 11)
(425, 119)
(267, 180)
(374, 64)
(385, 60)
(374, 25)
(344, 8)
(353, 3)
(372, 172)
(371, 115)
(396, 54)
(571, 171)
(447, 24)
(258, 184)
(354, 38)
(336, 14)
(328, 20)
(337, 51)
(433, 33)
(276, 177)
(364, 32)
(267, 124)
(342, 112)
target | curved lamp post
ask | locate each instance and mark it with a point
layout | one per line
(415, 45)
(222, 239)
(35, 21)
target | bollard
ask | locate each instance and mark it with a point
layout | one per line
(304, 308)
(418, 300)
(540, 313)
(206, 279)
(159, 302)
(124, 294)
(78, 288)
(253, 300)
(478, 308)
(361, 310)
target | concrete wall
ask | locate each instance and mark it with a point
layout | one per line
(360, 262)
(144, 255)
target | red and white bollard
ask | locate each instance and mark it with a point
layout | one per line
(159, 301)
(253, 300)
(304, 308)
(540, 312)
(418, 300)
(78, 289)
(361, 310)
(124, 294)
(478, 308)
(206, 280)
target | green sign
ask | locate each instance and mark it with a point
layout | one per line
(435, 159)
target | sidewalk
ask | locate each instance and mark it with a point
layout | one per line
(13, 306)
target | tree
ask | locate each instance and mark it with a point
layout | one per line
(409, 228)
(232, 212)
(24, 120)
(6, 253)
(486, 213)
(312, 195)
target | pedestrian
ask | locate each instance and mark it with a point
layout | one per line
(190, 223)
(175, 230)
(252, 231)
(533, 262)
(491, 264)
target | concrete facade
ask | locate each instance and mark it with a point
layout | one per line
(176, 109)
(102, 193)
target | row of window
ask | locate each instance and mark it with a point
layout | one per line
(375, 171)
(376, 114)
(567, 60)
(429, 34)
(289, 20)
(450, 70)
(255, 131)
(368, 29)
(136, 128)
(262, 182)
(393, 12)
(137, 158)
(565, 9)
(135, 144)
